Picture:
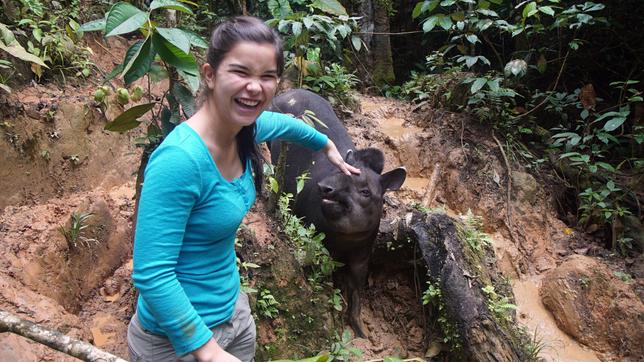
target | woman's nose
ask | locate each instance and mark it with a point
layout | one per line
(253, 86)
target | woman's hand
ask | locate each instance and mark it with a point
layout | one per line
(212, 352)
(335, 158)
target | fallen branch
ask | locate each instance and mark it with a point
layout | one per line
(54, 339)
(509, 194)
(430, 193)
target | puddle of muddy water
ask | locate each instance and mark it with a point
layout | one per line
(557, 345)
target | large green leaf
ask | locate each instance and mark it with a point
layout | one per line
(124, 18)
(129, 119)
(176, 37)
(94, 25)
(169, 4)
(174, 56)
(9, 44)
(138, 61)
(196, 39)
(332, 7)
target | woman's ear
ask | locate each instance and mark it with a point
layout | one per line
(208, 75)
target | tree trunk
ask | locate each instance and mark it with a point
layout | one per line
(378, 61)
(54, 339)
(450, 265)
(383, 64)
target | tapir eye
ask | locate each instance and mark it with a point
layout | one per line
(365, 192)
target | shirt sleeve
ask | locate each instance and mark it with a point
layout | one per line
(272, 125)
(171, 188)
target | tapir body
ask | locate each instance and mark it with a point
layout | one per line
(346, 208)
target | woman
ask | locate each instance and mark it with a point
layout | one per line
(198, 186)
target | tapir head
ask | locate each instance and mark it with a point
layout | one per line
(353, 204)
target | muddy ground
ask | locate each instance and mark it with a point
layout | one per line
(55, 164)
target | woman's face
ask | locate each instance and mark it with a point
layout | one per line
(244, 83)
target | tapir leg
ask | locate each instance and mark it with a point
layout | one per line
(355, 283)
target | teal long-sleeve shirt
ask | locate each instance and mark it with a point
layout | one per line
(184, 253)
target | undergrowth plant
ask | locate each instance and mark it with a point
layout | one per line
(433, 296)
(499, 305)
(74, 233)
(314, 34)
(267, 304)
(309, 250)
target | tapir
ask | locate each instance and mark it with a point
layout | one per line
(347, 209)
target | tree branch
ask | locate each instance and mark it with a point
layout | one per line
(54, 339)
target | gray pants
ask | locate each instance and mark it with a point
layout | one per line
(236, 336)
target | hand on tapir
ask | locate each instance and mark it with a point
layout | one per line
(336, 159)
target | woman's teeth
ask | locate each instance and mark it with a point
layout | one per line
(248, 102)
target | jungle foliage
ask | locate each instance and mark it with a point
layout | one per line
(561, 81)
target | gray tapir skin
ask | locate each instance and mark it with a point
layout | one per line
(346, 208)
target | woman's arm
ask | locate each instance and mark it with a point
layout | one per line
(272, 125)
(171, 188)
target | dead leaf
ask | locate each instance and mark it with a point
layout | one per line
(434, 349)
(587, 96)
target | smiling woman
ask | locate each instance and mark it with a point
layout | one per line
(198, 186)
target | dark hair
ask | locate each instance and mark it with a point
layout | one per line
(223, 38)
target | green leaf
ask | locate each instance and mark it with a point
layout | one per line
(606, 166)
(418, 9)
(493, 84)
(274, 185)
(124, 18)
(614, 123)
(5, 88)
(138, 60)
(430, 23)
(185, 98)
(128, 119)
(166, 125)
(530, 10)
(37, 33)
(477, 85)
(472, 38)
(445, 22)
(357, 42)
(174, 56)
(280, 9)
(94, 25)
(547, 10)
(176, 37)
(118, 69)
(169, 4)
(196, 39)
(192, 80)
(297, 28)
(332, 7)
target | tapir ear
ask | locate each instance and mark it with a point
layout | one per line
(349, 157)
(372, 158)
(393, 179)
